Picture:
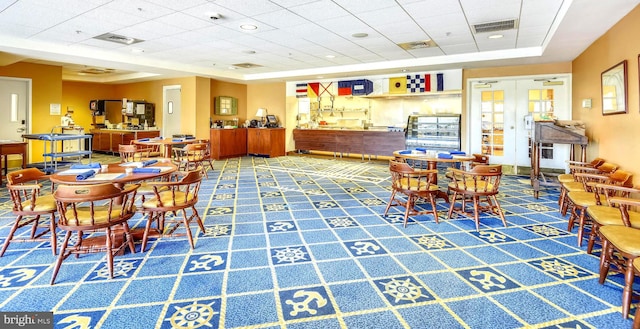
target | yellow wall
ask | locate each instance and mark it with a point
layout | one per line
(612, 137)
(239, 91)
(46, 89)
(270, 96)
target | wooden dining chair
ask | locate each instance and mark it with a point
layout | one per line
(93, 212)
(479, 186)
(172, 197)
(31, 205)
(191, 156)
(413, 184)
(207, 162)
(131, 153)
(616, 205)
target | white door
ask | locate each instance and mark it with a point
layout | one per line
(171, 110)
(540, 97)
(492, 120)
(14, 104)
(500, 118)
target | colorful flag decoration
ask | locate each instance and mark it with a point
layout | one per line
(440, 81)
(301, 90)
(313, 89)
(416, 83)
(326, 90)
(427, 82)
(344, 88)
(398, 85)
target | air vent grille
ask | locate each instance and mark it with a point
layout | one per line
(496, 26)
(117, 38)
(96, 70)
(417, 45)
(246, 65)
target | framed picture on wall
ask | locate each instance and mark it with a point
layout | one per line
(614, 89)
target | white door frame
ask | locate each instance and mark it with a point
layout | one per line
(28, 110)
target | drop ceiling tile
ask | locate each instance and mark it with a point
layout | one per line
(281, 19)
(361, 6)
(322, 9)
(178, 5)
(249, 7)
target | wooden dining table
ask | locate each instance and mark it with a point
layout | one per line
(115, 173)
(428, 161)
(167, 143)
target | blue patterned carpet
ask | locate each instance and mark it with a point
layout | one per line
(300, 242)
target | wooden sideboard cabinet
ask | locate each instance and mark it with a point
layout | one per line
(266, 141)
(228, 143)
(107, 140)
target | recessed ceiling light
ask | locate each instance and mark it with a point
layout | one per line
(360, 35)
(232, 68)
(248, 27)
(495, 36)
(330, 56)
(250, 52)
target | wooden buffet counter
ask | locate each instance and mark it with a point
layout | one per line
(107, 140)
(365, 142)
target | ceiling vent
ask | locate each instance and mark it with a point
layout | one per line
(96, 71)
(417, 45)
(246, 65)
(118, 38)
(496, 26)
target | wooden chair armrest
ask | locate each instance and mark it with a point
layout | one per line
(625, 201)
(584, 169)
(579, 163)
(23, 187)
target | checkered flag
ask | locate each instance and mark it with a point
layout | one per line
(416, 83)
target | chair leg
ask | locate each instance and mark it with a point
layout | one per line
(476, 211)
(147, 228)
(128, 237)
(109, 246)
(452, 204)
(498, 209)
(198, 219)
(15, 226)
(52, 232)
(408, 207)
(432, 200)
(605, 260)
(592, 236)
(390, 203)
(627, 292)
(185, 220)
(61, 256)
(581, 225)
(572, 218)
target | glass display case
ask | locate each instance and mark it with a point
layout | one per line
(439, 132)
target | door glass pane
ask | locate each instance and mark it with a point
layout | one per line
(492, 109)
(541, 106)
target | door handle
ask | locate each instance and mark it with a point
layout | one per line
(20, 130)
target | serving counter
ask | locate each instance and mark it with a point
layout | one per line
(351, 141)
(107, 140)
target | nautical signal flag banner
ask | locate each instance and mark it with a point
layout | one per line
(313, 89)
(301, 90)
(416, 83)
(398, 85)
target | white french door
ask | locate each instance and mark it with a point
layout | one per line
(501, 112)
(15, 102)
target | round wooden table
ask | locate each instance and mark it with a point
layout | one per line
(115, 173)
(167, 143)
(427, 161)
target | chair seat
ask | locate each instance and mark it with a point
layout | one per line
(416, 185)
(625, 239)
(605, 215)
(566, 178)
(101, 216)
(167, 199)
(582, 198)
(44, 203)
(146, 189)
(573, 186)
(471, 186)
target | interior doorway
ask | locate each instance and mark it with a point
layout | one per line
(171, 110)
(501, 114)
(15, 101)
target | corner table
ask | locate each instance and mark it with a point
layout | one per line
(11, 147)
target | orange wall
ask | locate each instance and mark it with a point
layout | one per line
(78, 94)
(612, 137)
